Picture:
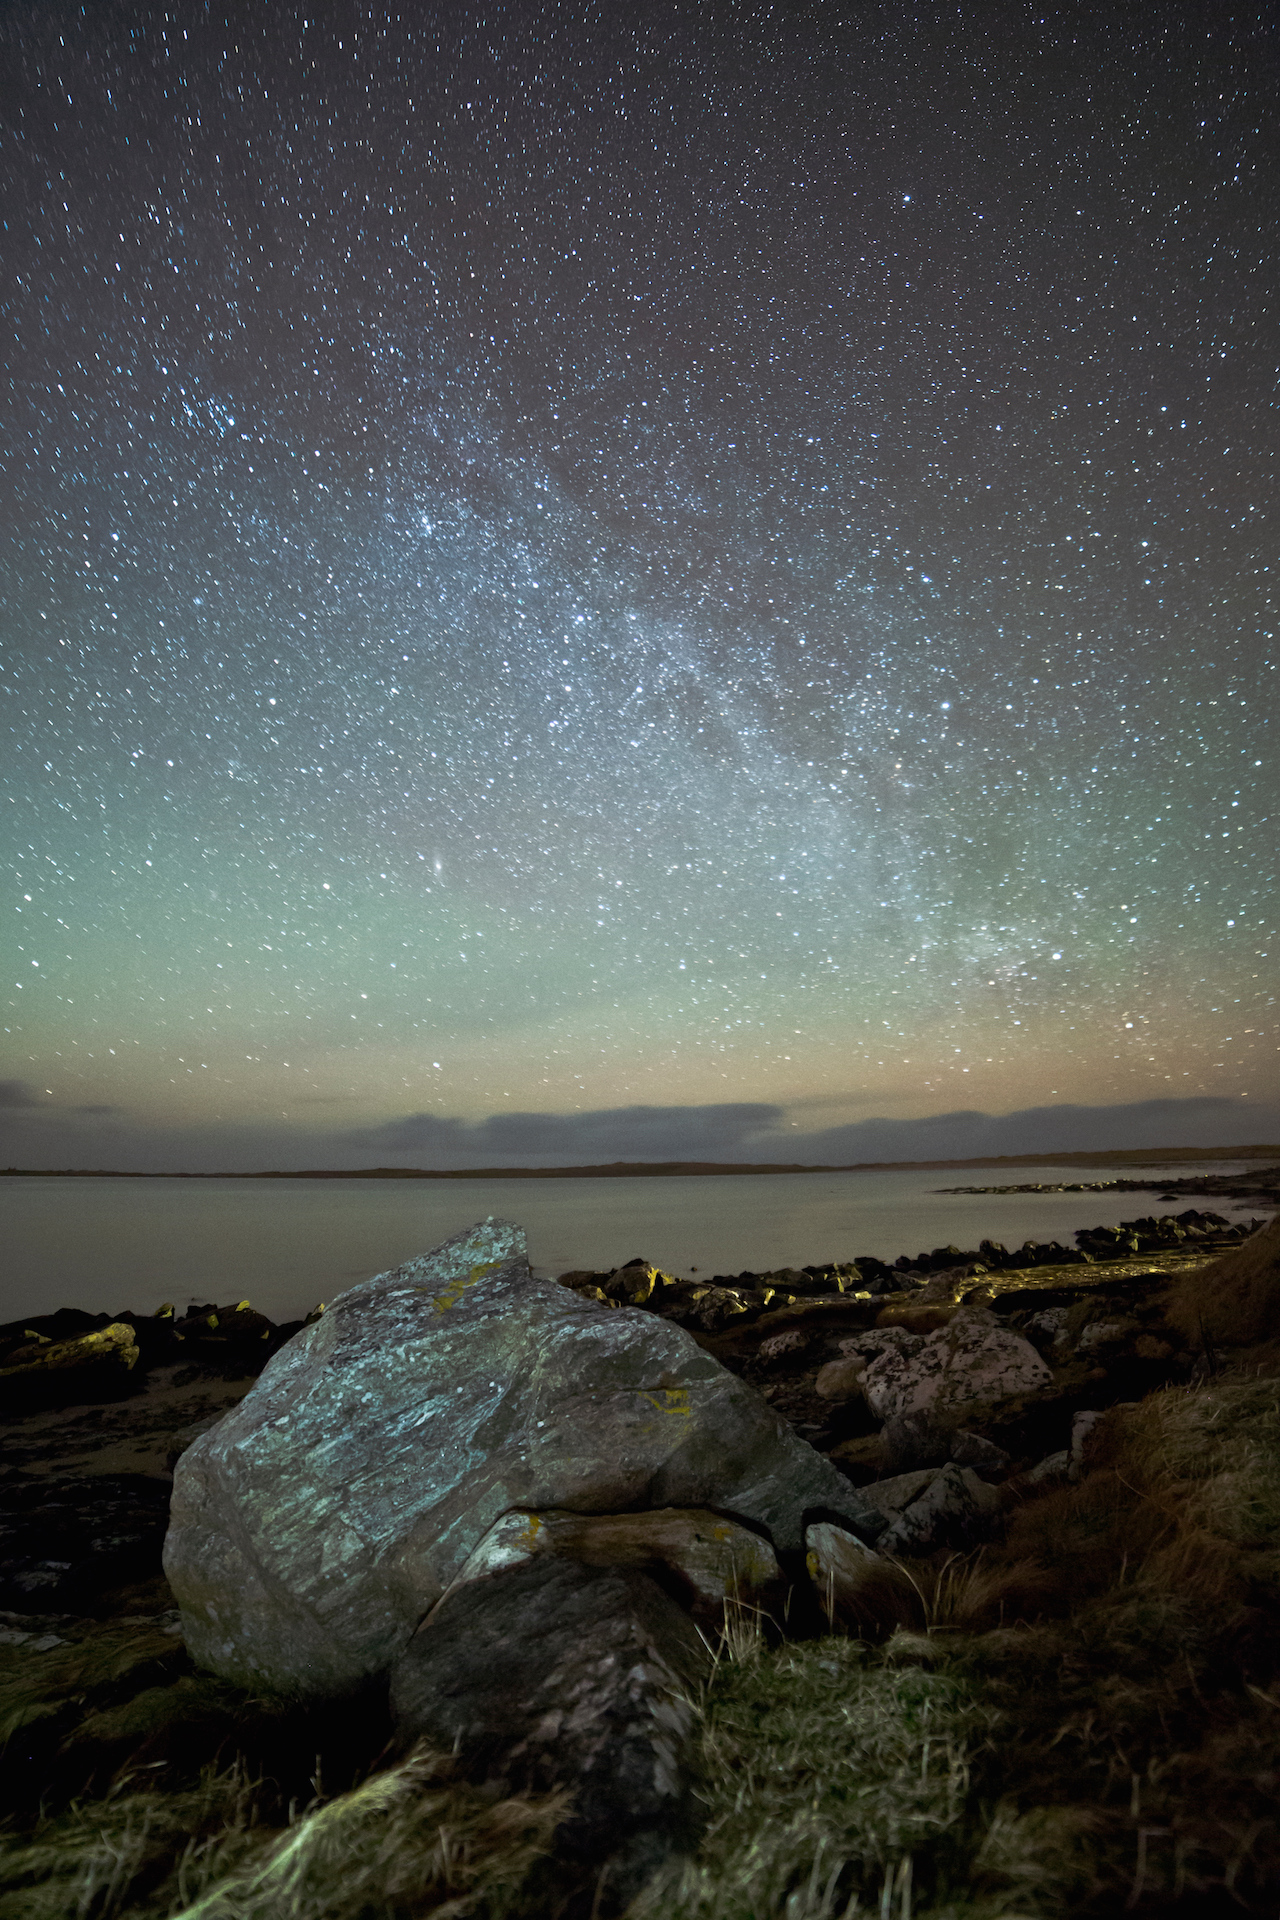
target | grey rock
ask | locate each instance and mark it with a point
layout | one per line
(314, 1527)
(915, 1440)
(944, 1285)
(1103, 1333)
(1045, 1329)
(1082, 1427)
(779, 1345)
(717, 1307)
(557, 1675)
(874, 1341)
(972, 1358)
(860, 1591)
(1054, 1470)
(972, 1450)
(955, 1509)
(840, 1379)
(891, 1496)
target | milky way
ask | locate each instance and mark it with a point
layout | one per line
(694, 560)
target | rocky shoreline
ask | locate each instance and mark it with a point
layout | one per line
(1258, 1184)
(957, 1396)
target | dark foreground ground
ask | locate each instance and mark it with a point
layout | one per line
(1081, 1716)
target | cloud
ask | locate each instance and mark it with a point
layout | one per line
(16, 1093)
(577, 1139)
(99, 1109)
(757, 1132)
(1205, 1120)
(743, 1132)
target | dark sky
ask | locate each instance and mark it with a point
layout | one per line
(705, 572)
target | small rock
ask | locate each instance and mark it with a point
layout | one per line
(556, 1675)
(942, 1287)
(984, 1456)
(955, 1509)
(1081, 1427)
(840, 1379)
(1045, 1329)
(1102, 1333)
(860, 1591)
(633, 1285)
(892, 1495)
(778, 1345)
(717, 1307)
(1053, 1470)
(877, 1340)
(913, 1441)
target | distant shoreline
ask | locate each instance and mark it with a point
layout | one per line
(668, 1169)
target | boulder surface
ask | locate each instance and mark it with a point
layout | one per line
(314, 1527)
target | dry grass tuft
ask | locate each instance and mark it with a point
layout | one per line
(140, 1851)
(1234, 1301)
(972, 1593)
(412, 1840)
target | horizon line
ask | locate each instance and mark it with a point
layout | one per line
(1079, 1157)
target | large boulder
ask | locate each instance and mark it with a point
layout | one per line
(553, 1675)
(317, 1524)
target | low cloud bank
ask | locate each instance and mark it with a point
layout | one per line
(729, 1132)
(39, 1136)
(755, 1132)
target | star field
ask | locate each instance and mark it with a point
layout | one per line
(558, 562)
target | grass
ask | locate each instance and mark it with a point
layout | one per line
(411, 1840)
(137, 1787)
(829, 1770)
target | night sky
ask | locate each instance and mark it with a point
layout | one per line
(636, 581)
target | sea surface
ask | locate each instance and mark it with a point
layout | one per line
(108, 1245)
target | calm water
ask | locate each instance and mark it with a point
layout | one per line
(107, 1245)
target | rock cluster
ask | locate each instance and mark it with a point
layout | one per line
(522, 1507)
(70, 1357)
